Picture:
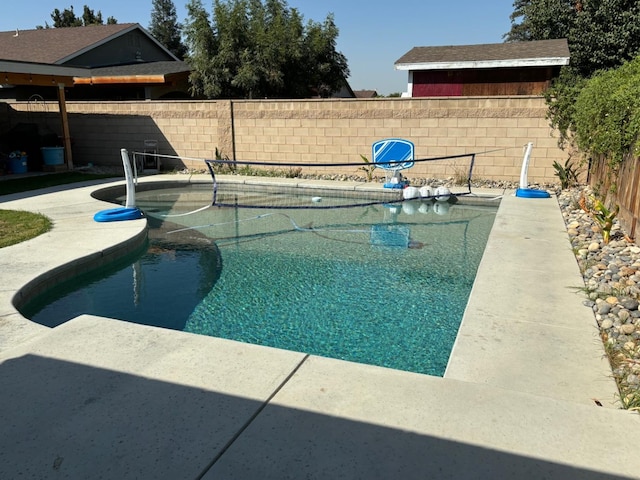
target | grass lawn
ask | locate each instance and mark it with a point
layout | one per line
(24, 184)
(18, 226)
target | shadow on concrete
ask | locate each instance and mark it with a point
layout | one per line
(67, 420)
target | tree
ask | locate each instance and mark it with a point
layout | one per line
(202, 44)
(541, 20)
(606, 34)
(602, 35)
(165, 27)
(256, 49)
(67, 18)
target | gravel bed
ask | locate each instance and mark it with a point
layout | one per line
(611, 275)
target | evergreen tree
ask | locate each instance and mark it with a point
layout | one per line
(601, 34)
(541, 20)
(202, 45)
(256, 49)
(68, 18)
(165, 27)
(605, 35)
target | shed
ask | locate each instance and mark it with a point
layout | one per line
(517, 68)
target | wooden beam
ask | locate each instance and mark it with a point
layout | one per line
(66, 136)
(9, 78)
(117, 80)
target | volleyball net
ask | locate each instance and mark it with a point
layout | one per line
(449, 177)
(304, 185)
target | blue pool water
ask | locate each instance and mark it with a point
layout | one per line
(384, 284)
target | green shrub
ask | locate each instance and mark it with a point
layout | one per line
(607, 114)
(567, 174)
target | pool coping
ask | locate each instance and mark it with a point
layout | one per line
(519, 393)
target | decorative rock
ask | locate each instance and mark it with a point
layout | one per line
(606, 324)
(593, 247)
(611, 274)
(628, 328)
(604, 308)
(575, 225)
(633, 379)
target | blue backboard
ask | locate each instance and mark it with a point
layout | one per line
(395, 150)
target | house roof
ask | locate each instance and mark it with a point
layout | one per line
(43, 52)
(56, 45)
(492, 55)
(59, 45)
(365, 93)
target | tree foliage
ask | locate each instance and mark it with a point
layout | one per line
(68, 18)
(607, 113)
(605, 35)
(540, 20)
(602, 35)
(165, 27)
(256, 49)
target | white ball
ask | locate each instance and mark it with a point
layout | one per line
(410, 192)
(442, 194)
(426, 191)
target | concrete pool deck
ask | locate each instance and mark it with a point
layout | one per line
(101, 397)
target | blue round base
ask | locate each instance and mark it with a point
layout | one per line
(531, 193)
(117, 214)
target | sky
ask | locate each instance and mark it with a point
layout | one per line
(373, 33)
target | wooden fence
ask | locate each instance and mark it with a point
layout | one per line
(619, 188)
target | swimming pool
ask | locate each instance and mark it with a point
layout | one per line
(384, 284)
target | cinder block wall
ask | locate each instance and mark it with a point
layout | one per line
(320, 131)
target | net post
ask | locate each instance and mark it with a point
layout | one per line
(215, 182)
(473, 159)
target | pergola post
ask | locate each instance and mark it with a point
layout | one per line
(66, 136)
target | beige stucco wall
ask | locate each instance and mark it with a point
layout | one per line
(319, 131)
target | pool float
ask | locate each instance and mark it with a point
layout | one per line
(118, 214)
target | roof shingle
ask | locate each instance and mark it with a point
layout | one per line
(53, 45)
(487, 52)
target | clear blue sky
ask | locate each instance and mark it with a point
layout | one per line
(373, 34)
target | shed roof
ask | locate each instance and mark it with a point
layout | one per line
(491, 55)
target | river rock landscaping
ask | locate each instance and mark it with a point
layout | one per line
(611, 273)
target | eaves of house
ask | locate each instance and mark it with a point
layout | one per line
(52, 53)
(541, 53)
